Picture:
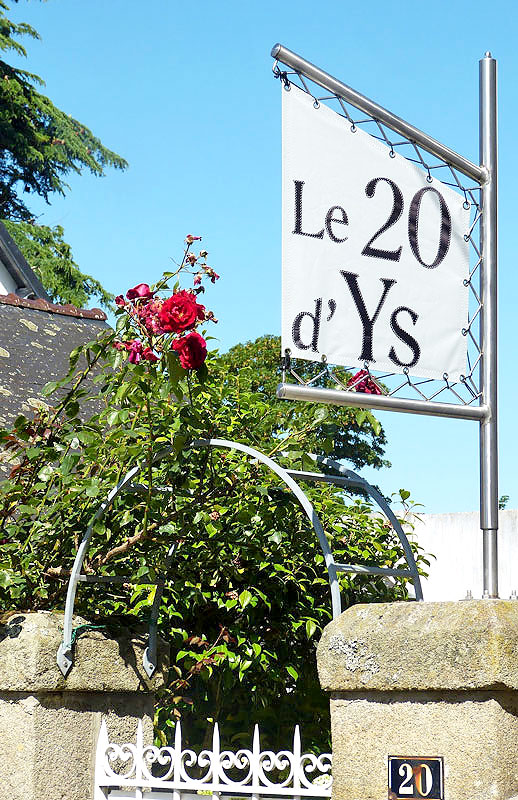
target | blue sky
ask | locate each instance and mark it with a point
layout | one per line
(184, 91)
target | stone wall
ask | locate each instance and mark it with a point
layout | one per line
(416, 680)
(49, 724)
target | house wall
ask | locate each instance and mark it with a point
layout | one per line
(7, 283)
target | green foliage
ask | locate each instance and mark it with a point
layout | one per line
(353, 434)
(247, 593)
(502, 502)
(51, 259)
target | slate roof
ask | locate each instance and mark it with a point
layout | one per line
(36, 338)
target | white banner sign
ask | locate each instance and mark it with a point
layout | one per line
(374, 255)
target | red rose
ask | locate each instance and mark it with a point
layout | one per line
(148, 354)
(362, 382)
(191, 349)
(180, 312)
(134, 349)
(119, 301)
(148, 315)
(140, 292)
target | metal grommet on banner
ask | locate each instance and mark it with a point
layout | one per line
(466, 282)
(316, 104)
(464, 331)
(429, 178)
(392, 153)
(445, 376)
(466, 237)
(466, 205)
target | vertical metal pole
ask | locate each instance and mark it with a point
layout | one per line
(488, 327)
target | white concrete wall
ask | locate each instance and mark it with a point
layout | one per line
(456, 541)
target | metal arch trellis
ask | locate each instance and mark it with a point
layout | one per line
(475, 395)
(344, 477)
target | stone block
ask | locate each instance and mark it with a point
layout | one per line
(49, 724)
(102, 662)
(388, 646)
(424, 679)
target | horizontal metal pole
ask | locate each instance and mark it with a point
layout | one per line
(379, 402)
(338, 480)
(401, 573)
(314, 73)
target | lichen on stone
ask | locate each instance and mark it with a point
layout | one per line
(28, 324)
(357, 656)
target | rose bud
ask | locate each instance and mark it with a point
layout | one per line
(140, 292)
(135, 351)
(148, 354)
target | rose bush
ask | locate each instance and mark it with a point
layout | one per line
(247, 592)
(159, 321)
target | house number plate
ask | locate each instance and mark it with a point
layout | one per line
(415, 776)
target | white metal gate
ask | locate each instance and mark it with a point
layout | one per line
(127, 771)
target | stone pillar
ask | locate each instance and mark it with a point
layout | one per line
(424, 679)
(49, 724)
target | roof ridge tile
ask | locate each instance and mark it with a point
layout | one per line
(39, 304)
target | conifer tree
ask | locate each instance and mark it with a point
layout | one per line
(39, 146)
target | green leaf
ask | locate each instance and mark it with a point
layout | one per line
(45, 473)
(112, 417)
(361, 416)
(68, 463)
(49, 387)
(72, 409)
(174, 370)
(202, 373)
(293, 672)
(244, 598)
(321, 414)
(311, 627)
(374, 423)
